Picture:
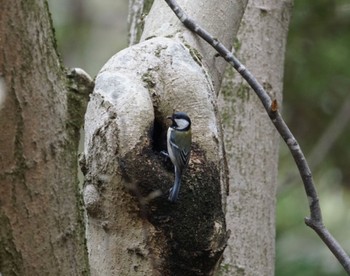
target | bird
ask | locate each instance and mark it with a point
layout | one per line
(179, 148)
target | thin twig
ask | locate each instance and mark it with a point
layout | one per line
(271, 107)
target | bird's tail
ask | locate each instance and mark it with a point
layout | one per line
(174, 191)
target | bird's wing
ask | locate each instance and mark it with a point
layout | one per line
(182, 154)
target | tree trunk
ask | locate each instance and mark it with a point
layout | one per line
(251, 142)
(42, 231)
(125, 126)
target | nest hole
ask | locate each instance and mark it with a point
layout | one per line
(159, 136)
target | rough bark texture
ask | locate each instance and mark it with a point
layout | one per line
(251, 142)
(42, 231)
(132, 228)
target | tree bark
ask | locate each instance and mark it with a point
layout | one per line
(125, 123)
(251, 142)
(42, 230)
(125, 126)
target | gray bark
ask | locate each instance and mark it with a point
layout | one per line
(251, 142)
(143, 233)
(130, 97)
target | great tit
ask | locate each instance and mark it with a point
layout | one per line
(179, 148)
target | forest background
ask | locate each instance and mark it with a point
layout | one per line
(316, 106)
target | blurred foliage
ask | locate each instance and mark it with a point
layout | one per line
(89, 32)
(317, 74)
(317, 83)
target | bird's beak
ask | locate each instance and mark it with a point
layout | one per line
(169, 118)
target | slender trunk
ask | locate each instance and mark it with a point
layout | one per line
(251, 142)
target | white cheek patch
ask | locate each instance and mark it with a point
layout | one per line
(181, 123)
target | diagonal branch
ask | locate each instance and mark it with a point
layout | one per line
(271, 107)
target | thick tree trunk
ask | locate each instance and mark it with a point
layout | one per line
(125, 123)
(251, 142)
(125, 126)
(41, 223)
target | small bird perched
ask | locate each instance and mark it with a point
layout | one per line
(179, 148)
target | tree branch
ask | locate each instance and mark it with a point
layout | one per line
(271, 107)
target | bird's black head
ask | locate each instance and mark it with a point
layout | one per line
(180, 121)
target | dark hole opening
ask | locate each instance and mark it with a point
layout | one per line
(159, 136)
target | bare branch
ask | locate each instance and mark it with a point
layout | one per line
(271, 107)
